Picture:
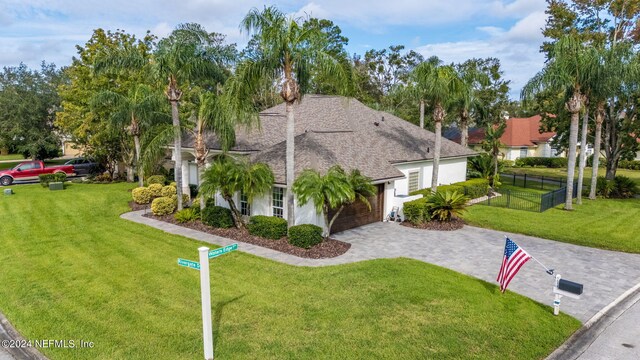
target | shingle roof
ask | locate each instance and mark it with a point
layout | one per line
(337, 130)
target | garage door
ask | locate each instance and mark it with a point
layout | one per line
(357, 214)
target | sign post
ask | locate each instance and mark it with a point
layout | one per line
(205, 290)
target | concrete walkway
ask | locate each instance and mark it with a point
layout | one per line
(473, 251)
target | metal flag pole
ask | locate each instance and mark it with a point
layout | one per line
(547, 270)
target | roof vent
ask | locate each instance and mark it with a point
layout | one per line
(376, 123)
(382, 117)
(427, 150)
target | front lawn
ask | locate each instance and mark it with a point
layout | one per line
(603, 223)
(71, 269)
(11, 157)
(562, 173)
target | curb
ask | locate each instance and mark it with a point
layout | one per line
(582, 338)
(8, 332)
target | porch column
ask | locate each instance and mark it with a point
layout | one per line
(185, 178)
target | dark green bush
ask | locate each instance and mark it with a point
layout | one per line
(217, 216)
(416, 211)
(621, 187)
(45, 179)
(156, 179)
(629, 164)
(556, 162)
(269, 227)
(444, 206)
(305, 235)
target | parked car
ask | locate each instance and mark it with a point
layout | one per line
(30, 170)
(85, 166)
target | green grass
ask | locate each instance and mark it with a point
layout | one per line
(71, 269)
(11, 157)
(604, 223)
(562, 173)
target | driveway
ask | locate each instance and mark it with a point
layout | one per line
(473, 251)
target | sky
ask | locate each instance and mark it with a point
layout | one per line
(455, 30)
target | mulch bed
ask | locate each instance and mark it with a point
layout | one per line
(327, 249)
(454, 224)
(136, 207)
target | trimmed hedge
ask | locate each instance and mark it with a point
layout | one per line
(305, 235)
(45, 179)
(556, 162)
(168, 190)
(155, 189)
(163, 206)
(217, 216)
(141, 195)
(269, 227)
(156, 179)
(629, 164)
(416, 211)
(473, 188)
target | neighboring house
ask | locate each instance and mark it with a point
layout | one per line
(521, 138)
(69, 148)
(332, 130)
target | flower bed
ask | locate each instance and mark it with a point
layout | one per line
(454, 224)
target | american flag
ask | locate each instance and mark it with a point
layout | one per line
(514, 258)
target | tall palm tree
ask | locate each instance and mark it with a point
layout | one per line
(181, 58)
(228, 176)
(218, 114)
(288, 54)
(332, 191)
(440, 84)
(467, 102)
(135, 113)
(567, 73)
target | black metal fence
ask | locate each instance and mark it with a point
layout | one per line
(528, 201)
(533, 181)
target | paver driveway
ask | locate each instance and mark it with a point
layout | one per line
(473, 251)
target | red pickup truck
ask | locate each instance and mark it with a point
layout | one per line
(30, 170)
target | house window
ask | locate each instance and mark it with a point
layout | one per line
(523, 152)
(245, 207)
(277, 202)
(414, 181)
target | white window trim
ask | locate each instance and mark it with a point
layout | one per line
(284, 199)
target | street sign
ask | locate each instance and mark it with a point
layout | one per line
(222, 251)
(189, 264)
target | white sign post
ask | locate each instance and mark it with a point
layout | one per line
(205, 290)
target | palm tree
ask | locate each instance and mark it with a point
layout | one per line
(229, 176)
(467, 101)
(218, 114)
(333, 190)
(440, 84)
(288, 54)
(492, 144)
(567, 73)
(135, 113)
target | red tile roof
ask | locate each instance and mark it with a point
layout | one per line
(519, 132)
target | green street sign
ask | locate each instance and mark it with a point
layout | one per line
(189, 264)
(222, 251)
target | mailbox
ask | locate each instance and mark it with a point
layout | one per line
(570, 286)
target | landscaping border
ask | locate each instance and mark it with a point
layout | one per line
(8, 332)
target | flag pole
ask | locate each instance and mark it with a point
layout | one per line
(547, 270)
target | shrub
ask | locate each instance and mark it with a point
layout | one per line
(505, 163)
(305, 235)
(168, 190)
(173, 183)
(193, 190)
(556, 162)
(45, 179)
(103, 178)
(163, 206)
(629, 164)
(141, 195)
(473, 188)
(156, 179)
(443, 206)
(155, 189)
(186, 215)
(185, 199)
(269, 227)
(217, 216)
(621, 187)
(416, 211)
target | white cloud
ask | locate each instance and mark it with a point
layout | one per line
(517, 48)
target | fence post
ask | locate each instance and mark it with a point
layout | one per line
(508, 199)
(514, 179)
(542, 183)
(525, 181)
(488, 199)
